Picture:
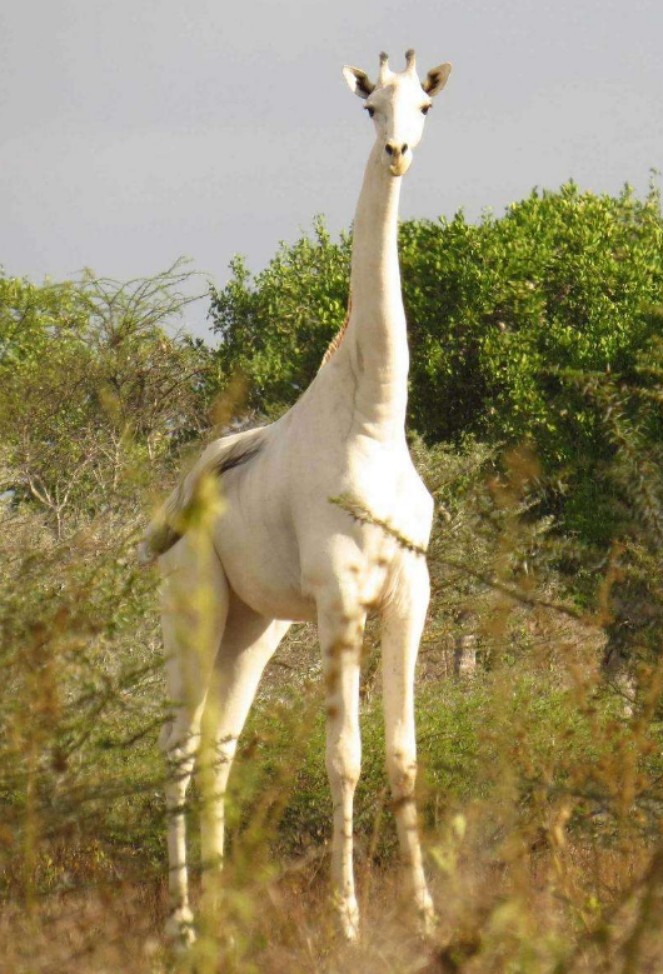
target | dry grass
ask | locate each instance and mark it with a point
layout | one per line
(538, 912)
(541, 799)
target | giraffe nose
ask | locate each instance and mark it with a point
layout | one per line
(395, 150)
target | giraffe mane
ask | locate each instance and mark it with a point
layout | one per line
(336, 341)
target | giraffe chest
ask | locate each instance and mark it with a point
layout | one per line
(363, 475)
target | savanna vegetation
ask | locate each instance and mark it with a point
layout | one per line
(536, 418)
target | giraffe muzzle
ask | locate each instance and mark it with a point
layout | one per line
(399, 157)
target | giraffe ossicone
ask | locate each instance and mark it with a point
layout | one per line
(271, 548)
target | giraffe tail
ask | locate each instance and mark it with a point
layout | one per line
(183, 506)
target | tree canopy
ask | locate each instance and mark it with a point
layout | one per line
(500, 313)
(515, 323)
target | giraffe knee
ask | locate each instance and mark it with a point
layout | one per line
(402, 772)
(343, 775)
(343, 766)
(179, 746)
(350, 775)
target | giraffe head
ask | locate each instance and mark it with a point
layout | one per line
(398, 104)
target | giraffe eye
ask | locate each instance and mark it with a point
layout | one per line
(370, 110)
(425, 109)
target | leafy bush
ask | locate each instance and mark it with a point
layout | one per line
(274, 330)
(93, 390)
(95, 402)
(508, 320)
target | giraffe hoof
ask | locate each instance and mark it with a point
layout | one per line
(180, 931)
(349, 917)
(427, 917)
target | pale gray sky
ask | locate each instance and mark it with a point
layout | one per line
(136, 131)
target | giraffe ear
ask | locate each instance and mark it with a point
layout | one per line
(358, 81)
(436, 79)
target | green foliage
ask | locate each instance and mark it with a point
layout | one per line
(93, 389)
(498, 312)
(80, 705)
(96, 399)
(628, 501)
(35, 318)
(275, 329)
(508, 320)
(564, 281)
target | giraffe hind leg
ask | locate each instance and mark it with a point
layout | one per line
(195, 598)
(249, 641)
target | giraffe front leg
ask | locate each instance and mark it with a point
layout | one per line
(194, 608)
(403, 622)
(340, 640)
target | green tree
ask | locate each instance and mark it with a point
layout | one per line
(498, 312)
(275, 328)
(94, 389)
(509, 319)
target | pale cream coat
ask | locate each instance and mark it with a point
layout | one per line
(277, 550)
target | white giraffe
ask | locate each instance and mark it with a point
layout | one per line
(279, 551)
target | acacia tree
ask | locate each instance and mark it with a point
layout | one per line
(94, 389)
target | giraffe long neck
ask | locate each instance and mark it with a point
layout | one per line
(376, 330)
